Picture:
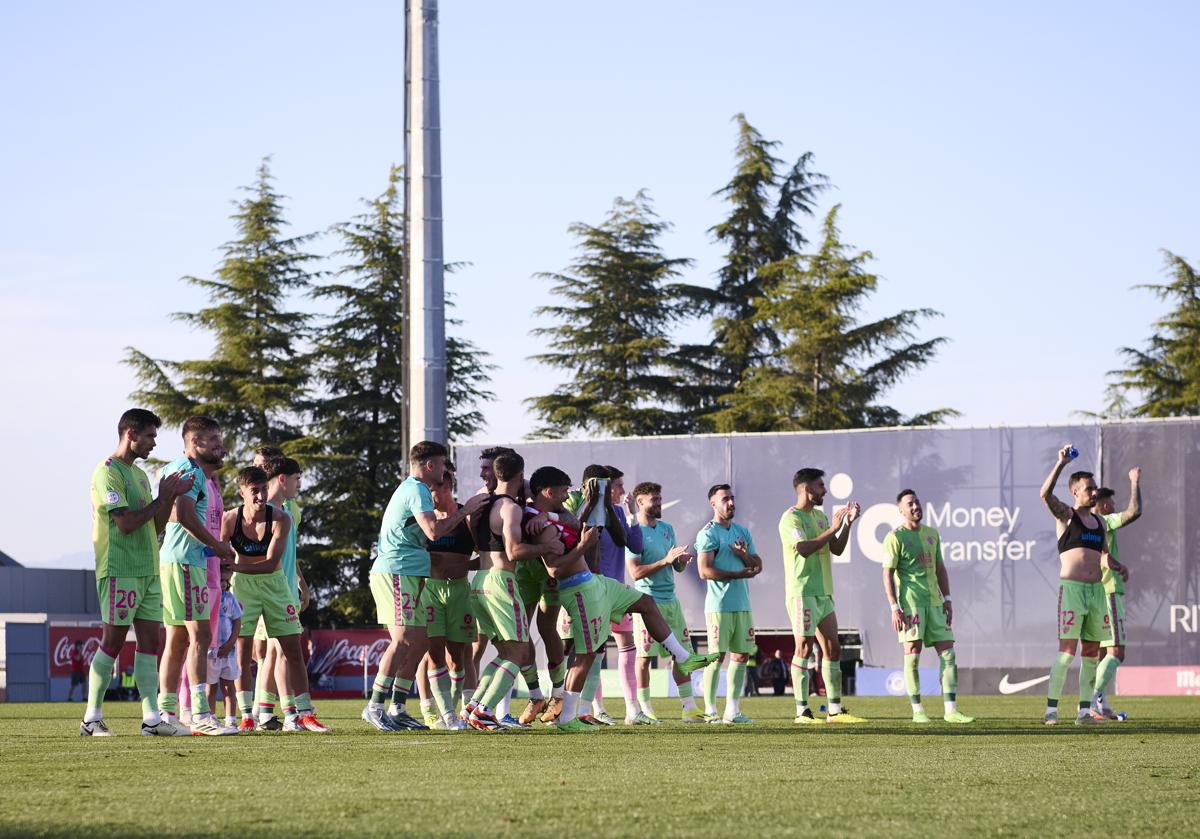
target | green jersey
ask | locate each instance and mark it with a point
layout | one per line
(116, 486)
(402, 544)
(179, 546)
(914, 555)
(1113, 584)
(810, 576)
(725, 595)
(288, 561)
(657, 542)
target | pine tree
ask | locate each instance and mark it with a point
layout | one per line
(830, 371)
(360, 352)
(1163, 378)
(612, 334)
(761, 229)
(255, 381)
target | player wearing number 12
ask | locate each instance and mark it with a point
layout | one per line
(918, 591)
(126, 521)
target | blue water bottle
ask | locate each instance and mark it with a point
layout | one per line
(1072, 453)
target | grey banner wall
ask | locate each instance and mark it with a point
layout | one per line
(980, 487)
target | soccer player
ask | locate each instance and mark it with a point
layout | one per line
(184, 572)
(398, 581)
(1082, 611)
(808, 539)
(495, 597)
(259, 533)
(488, 475)
(593, 603)
(126, 521)
(653, 573)
(1114, 588)
(726, 559)
(918, 590)
(452, 625)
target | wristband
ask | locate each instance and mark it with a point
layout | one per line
(946, 598)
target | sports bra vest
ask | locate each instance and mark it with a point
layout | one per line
(457, 541)
(246, 546)
(485, 538)
(1078, 536)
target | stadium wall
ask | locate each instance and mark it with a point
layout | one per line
(980, 487)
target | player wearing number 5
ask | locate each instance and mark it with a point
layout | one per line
(918, 592)
(1082, 609)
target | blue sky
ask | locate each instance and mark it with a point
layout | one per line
(1017, 166)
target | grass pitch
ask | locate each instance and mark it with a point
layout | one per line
(1005, 774)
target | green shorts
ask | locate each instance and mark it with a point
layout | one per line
(534, 584)
(592, 606)
(184, 592)
(1083, 612)
(449, 606)
(924, 621)
(124, 600)
(399, 599)
(266, 596)
(807, 611)
(672, 613)
(1115, 604)
(497, 606)
(730, 632)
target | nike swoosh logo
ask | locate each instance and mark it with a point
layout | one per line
(1007, 687)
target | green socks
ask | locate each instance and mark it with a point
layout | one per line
(200, 700)
(831, 672)
(1058, 677)
(949, 664)
(303, 704)
(500, 685)
(401, 688)
(485, 679)
(558, 674)
(145, 676)
(439, 684)
(456, 689)
(712, 679)
(800, 683)
(381, 689)
(530, 674)
(912, 678)
(1106, 672)
(736, 677)
(643, 698)
(592, 683)
(1087, 679)
(98, 678)
(289, 706)
(168, 703)
(245, 701)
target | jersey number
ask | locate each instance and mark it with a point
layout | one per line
(201, 594)
(126, 599)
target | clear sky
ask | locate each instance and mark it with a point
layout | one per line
(1017, 166)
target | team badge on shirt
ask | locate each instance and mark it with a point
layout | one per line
(112, 497)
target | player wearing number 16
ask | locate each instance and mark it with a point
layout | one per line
(918, 592)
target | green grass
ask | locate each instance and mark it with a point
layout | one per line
(1005, 774)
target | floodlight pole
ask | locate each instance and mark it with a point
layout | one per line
(425, 307)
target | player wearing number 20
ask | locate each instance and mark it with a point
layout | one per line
(918, 589)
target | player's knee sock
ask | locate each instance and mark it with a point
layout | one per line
(1058, 677)
(799, 683)
(145, 676)
(677, 650)
(381, 689)
(266, 708)
(735, 682)
(643, 698)
(440, 685)
(1087, 679)
(530, 674)
(168, 703)
(558, 675)
(501, 684)
(289, 706)
(912, 679)
(99, 676)
(303, 704)
(570, 706)
(457, 679)
(685, 693)
(1105, 674)
(627, 665)
(245, 701)
(712, 679)
(592, 683)
(949, 665)
(831, 672)
(200, 700)
(401, 688)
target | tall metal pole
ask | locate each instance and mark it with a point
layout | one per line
(425, 391)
